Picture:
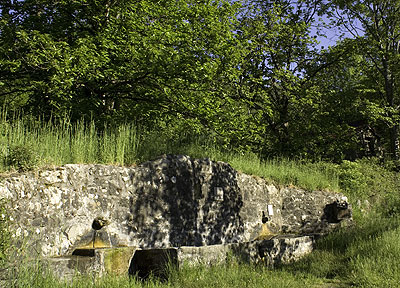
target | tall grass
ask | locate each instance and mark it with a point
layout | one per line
(363, 255)
(229, 275)
(58, 142)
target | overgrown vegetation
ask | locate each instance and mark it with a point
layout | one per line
(364, 255)
(231, 275)
(240, 81)
(28, 144)
(248, 71)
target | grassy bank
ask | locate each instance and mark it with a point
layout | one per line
(27, 144)
(363, 255)
(230, 275)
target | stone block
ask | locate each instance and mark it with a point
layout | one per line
(97, 262)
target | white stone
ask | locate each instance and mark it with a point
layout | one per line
(75, 231)
(270, 210)
(219, 193)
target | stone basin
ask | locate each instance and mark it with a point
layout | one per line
(143, 262)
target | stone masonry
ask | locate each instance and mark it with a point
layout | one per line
(173, 201)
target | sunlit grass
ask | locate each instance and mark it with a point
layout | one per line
(363, 255)
(225, 276)
(60, 142)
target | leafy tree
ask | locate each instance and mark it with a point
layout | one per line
(345, 119)
(273, 82)
(376, 28)
(110, 59)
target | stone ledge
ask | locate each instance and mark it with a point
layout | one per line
(130, 260)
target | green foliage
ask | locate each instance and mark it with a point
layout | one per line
(272, 83)
(122, 60)
(84, 142)
(5, 236)
(21, 157)
(368, 179)
(352, 179)
(281, 171)
(380, 57)
(248, 71)
(60, 142)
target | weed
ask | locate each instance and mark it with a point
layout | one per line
(5, 235)
(21, 157)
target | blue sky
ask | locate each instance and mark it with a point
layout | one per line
(334, 34)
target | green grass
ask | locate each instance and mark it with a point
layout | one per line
(363, 255)
(26, 144)
(231, 275)
(63, 142)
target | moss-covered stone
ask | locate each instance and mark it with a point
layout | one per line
(117, 260)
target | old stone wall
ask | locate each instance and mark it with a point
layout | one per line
(172, 201)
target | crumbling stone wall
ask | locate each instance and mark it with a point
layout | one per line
(172, 201)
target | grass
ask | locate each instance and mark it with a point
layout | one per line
(363, 255)
(26, 144)
(63, 142)
(231, 275)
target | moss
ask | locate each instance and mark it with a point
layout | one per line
(117, 260)
(265, 233)
(97, 244)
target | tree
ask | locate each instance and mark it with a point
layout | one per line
(375, 25)
(140, 59)
(273, 83)
(346, 118)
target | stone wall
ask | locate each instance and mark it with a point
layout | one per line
(172, 201)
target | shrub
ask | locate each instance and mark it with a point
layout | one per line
(368, 179)
(21, 157)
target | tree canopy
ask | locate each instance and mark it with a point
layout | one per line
(249, 72)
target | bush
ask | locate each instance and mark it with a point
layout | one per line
(21, 157)
(368, 179)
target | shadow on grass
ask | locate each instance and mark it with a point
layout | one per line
(335, 254)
